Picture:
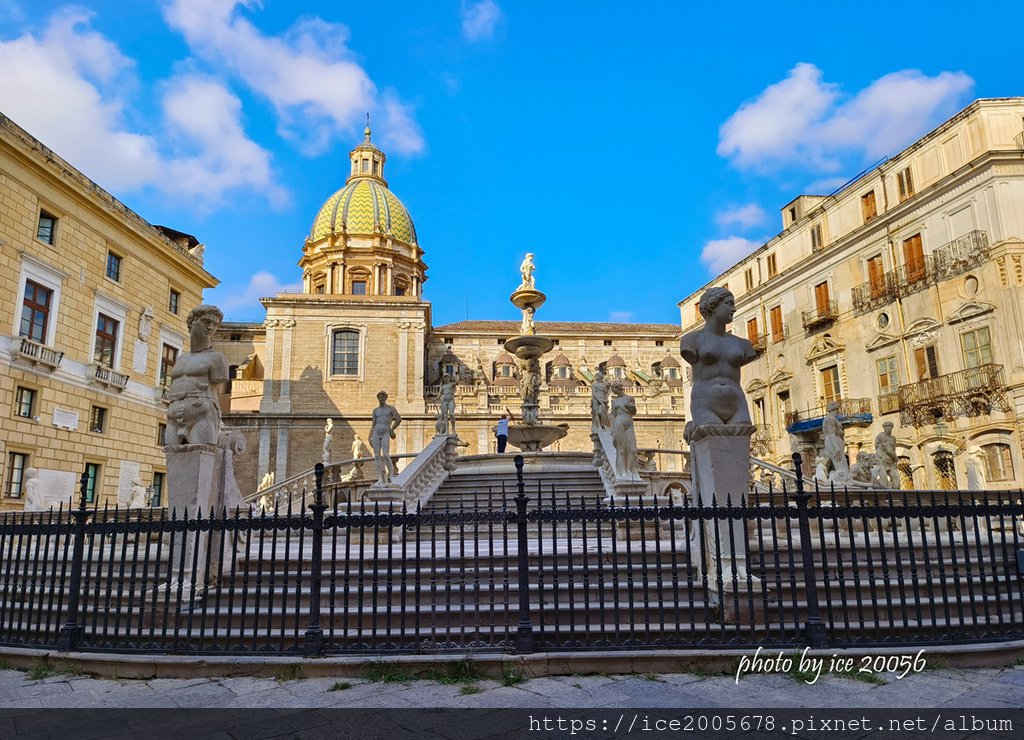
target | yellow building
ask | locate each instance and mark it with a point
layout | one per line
(94, 301)
(900, 295)
(361, 325)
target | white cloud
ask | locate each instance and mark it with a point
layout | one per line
(237, 298)
(308, 74)
(620, 316)
(746, 216)
(480, 19)
(825, 185)
(721, 254)
(82, 113)
(805, 121)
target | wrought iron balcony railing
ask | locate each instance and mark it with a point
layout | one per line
(851, 410)
(762, 442)
(23, 348)
(107, 376)
(976, 391)
(824, 313)
(888, 402)
(951, 259)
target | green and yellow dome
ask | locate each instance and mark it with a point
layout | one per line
(364, 206)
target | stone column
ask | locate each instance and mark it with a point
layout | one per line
(720, 462)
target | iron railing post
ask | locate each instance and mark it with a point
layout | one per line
(524, 631)
(314, 634)
(814, 627)
(71, 632)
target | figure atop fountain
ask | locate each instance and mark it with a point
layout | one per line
(527, 269)
(717, 397)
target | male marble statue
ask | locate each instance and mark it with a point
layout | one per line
(328, 440)
(193, 415)
(382, 430)
(975, 465)
(885, 450)
(835, 444)
(716, 357)
(527, 269)
(599, 402)
(446, 413)
(623, 409)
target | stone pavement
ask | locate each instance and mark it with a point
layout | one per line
(954, 688)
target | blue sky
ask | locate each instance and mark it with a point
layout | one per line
(637, 149)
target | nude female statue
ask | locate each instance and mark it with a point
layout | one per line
(716, 357)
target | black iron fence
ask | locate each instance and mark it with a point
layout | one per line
(521, 573)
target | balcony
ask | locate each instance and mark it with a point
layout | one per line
(105, 376)
(976, 391)
(951, 259)
(761, 443)
(888, 403)
(824, 313)
(23, 348)
(851, 411)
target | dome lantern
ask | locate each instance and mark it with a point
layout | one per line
(366, 159)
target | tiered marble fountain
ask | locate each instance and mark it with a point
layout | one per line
(529, 434)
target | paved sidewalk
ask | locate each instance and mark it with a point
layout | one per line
(955, 688)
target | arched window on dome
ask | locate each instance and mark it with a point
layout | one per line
(344, 352)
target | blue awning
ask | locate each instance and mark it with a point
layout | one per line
(813, 424)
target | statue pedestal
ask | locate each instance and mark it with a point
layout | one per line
(380, 498)
(636, 494)
(720, 461)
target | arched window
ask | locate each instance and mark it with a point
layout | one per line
(564, 373)
(345, 352)
(998, 461)
(906, 473)
(945, 470)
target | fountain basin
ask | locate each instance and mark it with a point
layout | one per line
(531, 297)
(529, 346)
(535, 437)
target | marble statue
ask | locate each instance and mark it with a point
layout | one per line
(146, 323)
(328, 439)
(975, 465)
(527, 269)
(446, 414)
(530, 386)
(193, 415)
(861, 470)
(138, 497)
(623, 409)
(34, 499)
(382, 430)
(835, 444)
(266, 504)
(356, 471)
(266, 482)
(716, 358)
(527, 327)
(358, 448)
(879, 475)
(821, 468)
(599, 402)
(885, 451)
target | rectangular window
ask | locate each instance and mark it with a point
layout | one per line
(876, 275)
(888, 375)
(168, 356)
(752, 333)
(778, 333)
(905, 184)
(748, 277)
(24, 402)
(830, 390)
(816, 241)
(158, 490)
(607, 342)
(173, 301)
(773, 269)
(35, 312)
(913, 258)
(17, 462)
(98, 420)
(358, 287)
(399, 291)
(998, 462)
(366, 165)
(161, 435)
(113, 267)
(46, 231)
(345, 353)
(696, 312)
(927, 362)
(92, 481)
(977, 347)
(868, 209)
(657, 342)
(106, 340)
